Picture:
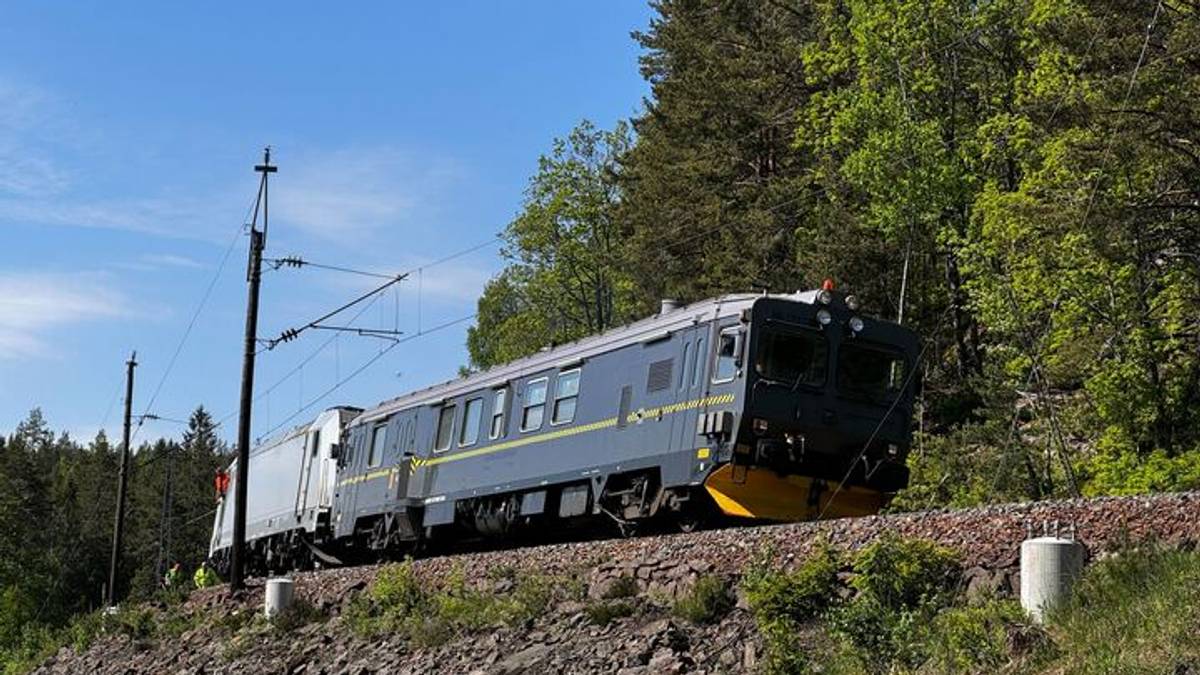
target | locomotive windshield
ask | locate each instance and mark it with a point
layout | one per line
(872, 372)
(792, 357)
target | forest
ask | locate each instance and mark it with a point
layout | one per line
(58, 500)
(1017, 180)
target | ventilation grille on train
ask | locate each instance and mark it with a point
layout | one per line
(660, 375)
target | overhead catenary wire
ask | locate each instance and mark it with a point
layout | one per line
(297, 262)
(195, 317)
(333, 340)
(363, 367)
(292, 333)
(299, 366)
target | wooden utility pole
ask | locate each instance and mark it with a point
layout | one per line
(258, 241)
(122, 480)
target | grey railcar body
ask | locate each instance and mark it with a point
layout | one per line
(764, 406)
(290, 495)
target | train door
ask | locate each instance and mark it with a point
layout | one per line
(689, 385)
(724, 377)
(350, 471)
(373, 488)
(401, 459)
(310, 451)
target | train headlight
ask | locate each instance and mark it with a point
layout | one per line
(856, 324)
(824, 317)
(852, 303)
(824, 296)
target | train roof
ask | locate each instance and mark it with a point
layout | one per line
(347, 413)
(573, 353)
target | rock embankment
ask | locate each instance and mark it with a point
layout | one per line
(644, 637)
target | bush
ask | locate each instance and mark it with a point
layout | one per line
(428, 615)
(974, 639)
(901, 584)
(902, 573)
(300, 614)
(602, 613)
(623, 586)
(783, 601)
(708, 601)
(798, 595)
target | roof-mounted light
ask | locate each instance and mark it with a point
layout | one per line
(824, 296)
(852, 303)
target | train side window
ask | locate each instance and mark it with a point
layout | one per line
(499, 401)
(315, 438)
(534, 410)
(566, 397)
(699, 363)
(687, 361)
(378, 436)
(445, 429)
(472, 417)
(729, 346)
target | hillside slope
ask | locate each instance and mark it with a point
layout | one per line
(603, 606)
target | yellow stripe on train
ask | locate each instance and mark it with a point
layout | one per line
(633, 418)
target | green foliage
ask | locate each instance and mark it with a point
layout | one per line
(1136, 612)
(708, 601)
(428, 613)
(623, 586)
(798, 595)
(565, 279)
(783, 601)
(902, 584)
(899, 573)
(974, 639)
(604, 612)
(57, 502)
(1036, 198)
(300, 614)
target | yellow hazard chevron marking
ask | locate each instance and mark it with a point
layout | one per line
(633, 418)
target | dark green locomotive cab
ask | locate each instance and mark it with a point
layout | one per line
(826, 423)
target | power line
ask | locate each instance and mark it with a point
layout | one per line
(298, 367)
(195, 316)
(293, 333)
(333, 339)
(111, 403)
(360, 369)
(296, 261)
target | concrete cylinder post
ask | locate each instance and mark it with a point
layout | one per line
(279, 595)
(1049, 567)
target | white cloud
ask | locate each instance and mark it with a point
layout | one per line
(32, 304)
(459, 283)
(173, 218)
(26, 128)
(347, 195)
(171, 260)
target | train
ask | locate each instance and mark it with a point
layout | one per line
(743, 408)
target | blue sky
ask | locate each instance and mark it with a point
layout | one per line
(403, 132)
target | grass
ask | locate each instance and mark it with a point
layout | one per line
(426, 613)
(604, 612)
(1137, 612)
(708, 601)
